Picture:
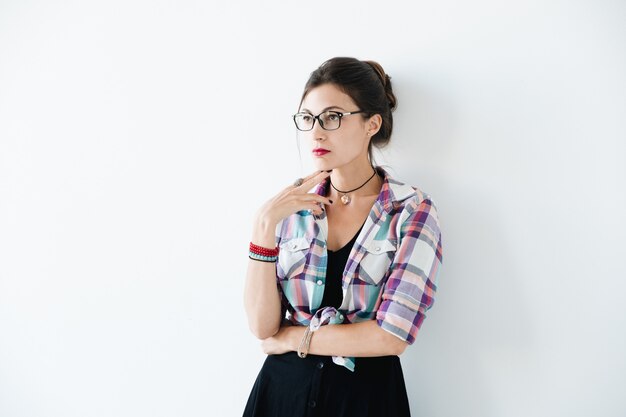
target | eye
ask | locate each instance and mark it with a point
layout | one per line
(333, 117)
(306, 117)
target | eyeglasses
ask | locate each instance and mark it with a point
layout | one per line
(329, 120)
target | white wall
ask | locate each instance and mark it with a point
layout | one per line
(137, 138)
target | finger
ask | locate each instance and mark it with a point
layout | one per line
(314, 179)
(313, 207)
(313, 174)
(299, 199)
(291, 187)
(318, 198)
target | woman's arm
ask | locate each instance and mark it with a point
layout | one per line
(365, 338)
(261, 297)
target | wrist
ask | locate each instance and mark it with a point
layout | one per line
(295, 337)
(263, 221)
(263, 233)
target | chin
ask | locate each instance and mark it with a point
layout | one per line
(322, 165)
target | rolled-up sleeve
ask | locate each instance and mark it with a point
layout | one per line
(410, 288)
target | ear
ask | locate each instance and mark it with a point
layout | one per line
(373, 124)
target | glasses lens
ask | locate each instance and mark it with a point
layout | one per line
(304, 121)
(330, 120)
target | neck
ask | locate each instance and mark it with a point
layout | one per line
(347, 178)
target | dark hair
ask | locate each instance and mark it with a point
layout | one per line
(367, 85)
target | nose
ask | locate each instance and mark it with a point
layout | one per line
(317, 132)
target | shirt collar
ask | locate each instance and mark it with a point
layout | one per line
(392, 192)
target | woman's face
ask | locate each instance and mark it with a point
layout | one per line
(346, 144)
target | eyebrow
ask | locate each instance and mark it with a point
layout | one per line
(327, 108)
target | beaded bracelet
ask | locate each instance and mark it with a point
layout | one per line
(260, 250)
(260, 253)
(254, 258)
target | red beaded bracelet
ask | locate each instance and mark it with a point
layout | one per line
(260, 250)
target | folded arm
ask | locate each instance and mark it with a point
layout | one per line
(361, 339)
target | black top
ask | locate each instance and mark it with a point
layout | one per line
(333, 294)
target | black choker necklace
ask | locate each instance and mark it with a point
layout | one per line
(345, 198)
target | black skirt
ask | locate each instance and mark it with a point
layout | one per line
(289, 386)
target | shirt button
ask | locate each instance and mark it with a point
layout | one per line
(320, 365)
(340, 316)
(312, 403)
(320, 282)
(377, 249)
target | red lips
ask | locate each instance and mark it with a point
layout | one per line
(320, 151)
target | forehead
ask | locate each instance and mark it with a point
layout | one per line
(324, 96)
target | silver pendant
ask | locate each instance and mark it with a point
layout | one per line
(345, 199)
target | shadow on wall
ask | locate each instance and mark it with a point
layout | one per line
(477, 323)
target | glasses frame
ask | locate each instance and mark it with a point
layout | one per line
(340, 114)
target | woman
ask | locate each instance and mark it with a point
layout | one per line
(339, 279)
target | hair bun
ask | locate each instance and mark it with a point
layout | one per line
(391, 97)
(379, 71)
(386, 82)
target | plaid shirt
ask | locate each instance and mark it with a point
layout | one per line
(391, 273)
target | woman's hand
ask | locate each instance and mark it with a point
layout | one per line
(283, 341)
(294, 198)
